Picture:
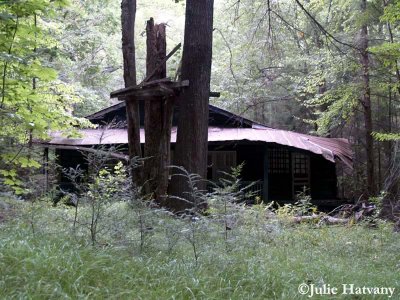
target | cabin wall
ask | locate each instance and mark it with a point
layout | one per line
(253, 157)
(291, 170)
(323, 178)
(251, 154)
(281, 162)
(67, 159)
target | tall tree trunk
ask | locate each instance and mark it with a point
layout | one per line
(192, 136)
(396, 65)
(158, 118)
(366, 103)
(128, 13)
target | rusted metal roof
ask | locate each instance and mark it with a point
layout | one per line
(330, 148)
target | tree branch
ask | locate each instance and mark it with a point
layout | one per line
(322, 29)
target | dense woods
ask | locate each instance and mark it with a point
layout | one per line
(320, 68)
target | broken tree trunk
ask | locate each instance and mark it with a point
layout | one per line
(158, 118)
(128, 13)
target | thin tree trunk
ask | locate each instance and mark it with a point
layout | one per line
(128, 9)
(389, 129)
(3, 95)
(366, 104)
(395, 63)
(192, 136)
(34, 86)
(391, 38)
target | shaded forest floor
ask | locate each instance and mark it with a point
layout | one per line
(148, 254)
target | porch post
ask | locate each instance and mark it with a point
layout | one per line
(46, 168)
(266, 167)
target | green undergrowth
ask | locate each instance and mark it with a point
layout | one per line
(148, 254)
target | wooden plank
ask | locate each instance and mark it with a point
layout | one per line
(178, 84)
(138, 87)
(158, 89)
(215, 94)
(154, 93)
(166, 90)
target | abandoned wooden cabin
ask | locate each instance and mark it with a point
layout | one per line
(282, 163)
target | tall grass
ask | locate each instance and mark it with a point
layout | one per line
(259, 258)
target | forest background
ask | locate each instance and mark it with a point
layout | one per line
(314, 66)
(321, 67)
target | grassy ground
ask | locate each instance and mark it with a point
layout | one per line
(43, 257)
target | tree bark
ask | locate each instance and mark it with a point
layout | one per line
(192, 136)
(158, 118)
(366, 104)
(128, 13)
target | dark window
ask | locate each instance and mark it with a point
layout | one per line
(301, 173)
(279, 162)
(300, 163)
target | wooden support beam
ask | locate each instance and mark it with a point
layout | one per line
(137, 87)
(266, 177)
(156, 85)
(156, 93)
(46, 168)
(215, 94)
(178, 84)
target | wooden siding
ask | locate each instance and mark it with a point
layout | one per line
(322, 175)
